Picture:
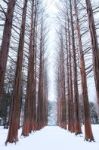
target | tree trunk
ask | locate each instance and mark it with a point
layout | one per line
(30, 101)
(87, 121)
(5, 43)
(40, 118)
(95, 48)
(69, 81)
(15, 108)
(62, 85)
(76, 95)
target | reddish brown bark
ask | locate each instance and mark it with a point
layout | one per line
(87, 122)
(95, 48)
(15, 108)
(5, 43)
(40, 105)
(33, 114)
(42, 89)
(69, 82)
(76, 95)
(62, 85)
(26, 127)
(88, 131)
(30, 99)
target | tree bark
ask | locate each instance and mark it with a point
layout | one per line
(5, 43)
(69, 79)
(40, 117)
(30, 102)
(95, 48)
(76, 95)
(87, 121)
(15, 108)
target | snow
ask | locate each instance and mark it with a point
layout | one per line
(51, 138)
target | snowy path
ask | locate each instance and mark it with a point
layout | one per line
(51, 138)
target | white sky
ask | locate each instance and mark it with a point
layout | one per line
(51, 11)
(51, 6)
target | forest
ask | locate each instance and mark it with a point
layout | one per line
(32, 67)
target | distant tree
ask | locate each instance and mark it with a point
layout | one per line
(6, 102)
(93, 113)
(40, 103)
(42, 94)
(69, 77)
(52, 113)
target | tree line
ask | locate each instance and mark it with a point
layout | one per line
(24, 70)
(22, 66)
(78, 52)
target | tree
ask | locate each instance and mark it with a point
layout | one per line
(95, 48)
(87, 122)
(5, 43)
(61, 85)
(42, 81)
(93, 113)
(15, 107)
(40, 117)
(63, 118)
(76, 95)
(69, 78)
(30, 102)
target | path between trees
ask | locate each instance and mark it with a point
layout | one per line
(51, 138)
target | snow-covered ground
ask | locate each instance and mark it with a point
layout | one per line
(51, 138)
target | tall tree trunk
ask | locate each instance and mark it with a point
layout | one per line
(15, 108)
(5, 43)
(95, 48)
(70, 82)
(40, 86)
(87, 121)
(44, 93)
(76, 95)
(30, 101)
(58, 101)
(34, 123)
(62, 82)
(40, 101)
